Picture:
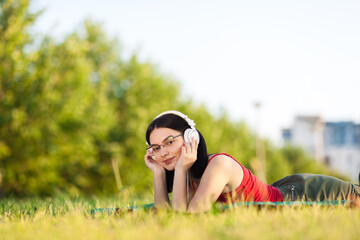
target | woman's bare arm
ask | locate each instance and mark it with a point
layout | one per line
(187, 159)
(219, 173)
(161, 197)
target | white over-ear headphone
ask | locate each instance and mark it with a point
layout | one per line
(190, 133)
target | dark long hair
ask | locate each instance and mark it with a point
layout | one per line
(175, 122)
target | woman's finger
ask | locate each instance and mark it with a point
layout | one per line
(193, 145)
(188, 146)
(183, 150)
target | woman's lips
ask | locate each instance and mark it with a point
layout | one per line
(168, 161)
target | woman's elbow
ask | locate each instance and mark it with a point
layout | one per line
(199, 206)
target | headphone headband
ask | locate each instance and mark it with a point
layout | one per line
(183, 116)
(190, 133)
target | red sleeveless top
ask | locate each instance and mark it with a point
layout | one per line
(251, 189)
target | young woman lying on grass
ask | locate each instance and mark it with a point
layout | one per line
(178, 158)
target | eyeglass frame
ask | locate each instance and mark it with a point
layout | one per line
(162, 144)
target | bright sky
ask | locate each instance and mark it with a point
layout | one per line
(294, 57)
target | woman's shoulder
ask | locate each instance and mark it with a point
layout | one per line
(220, 155)
(222, 159)
(227, 167)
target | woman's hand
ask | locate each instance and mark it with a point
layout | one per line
(188, 156)
(151, 163)
(161, 197)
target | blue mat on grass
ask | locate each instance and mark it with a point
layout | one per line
(111, 211)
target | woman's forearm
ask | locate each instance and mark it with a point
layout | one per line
(178, 201)
(161, 197)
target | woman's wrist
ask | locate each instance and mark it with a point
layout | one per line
(181, 169)
(159, 172)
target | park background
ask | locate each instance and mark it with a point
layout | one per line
(74, 110)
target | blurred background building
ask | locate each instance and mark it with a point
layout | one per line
(337, 144)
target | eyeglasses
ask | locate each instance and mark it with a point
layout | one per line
(167, 143)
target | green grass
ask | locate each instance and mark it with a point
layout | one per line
(63, 218)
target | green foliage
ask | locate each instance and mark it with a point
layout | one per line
(300, 163)
(73, 114)
(277, 165)
(53, 114)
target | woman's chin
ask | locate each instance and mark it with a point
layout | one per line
(170, 168)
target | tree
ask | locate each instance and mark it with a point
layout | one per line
(54, 110)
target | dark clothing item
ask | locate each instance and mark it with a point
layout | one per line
(314, 187)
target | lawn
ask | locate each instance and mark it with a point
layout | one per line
(63, 218)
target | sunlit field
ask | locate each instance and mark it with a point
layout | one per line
(72, 219)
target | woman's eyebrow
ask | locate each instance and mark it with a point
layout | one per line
(162, 140)
(167, 138)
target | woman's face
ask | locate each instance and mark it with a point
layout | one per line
(166, 144)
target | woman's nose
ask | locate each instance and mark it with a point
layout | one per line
(163, 152)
